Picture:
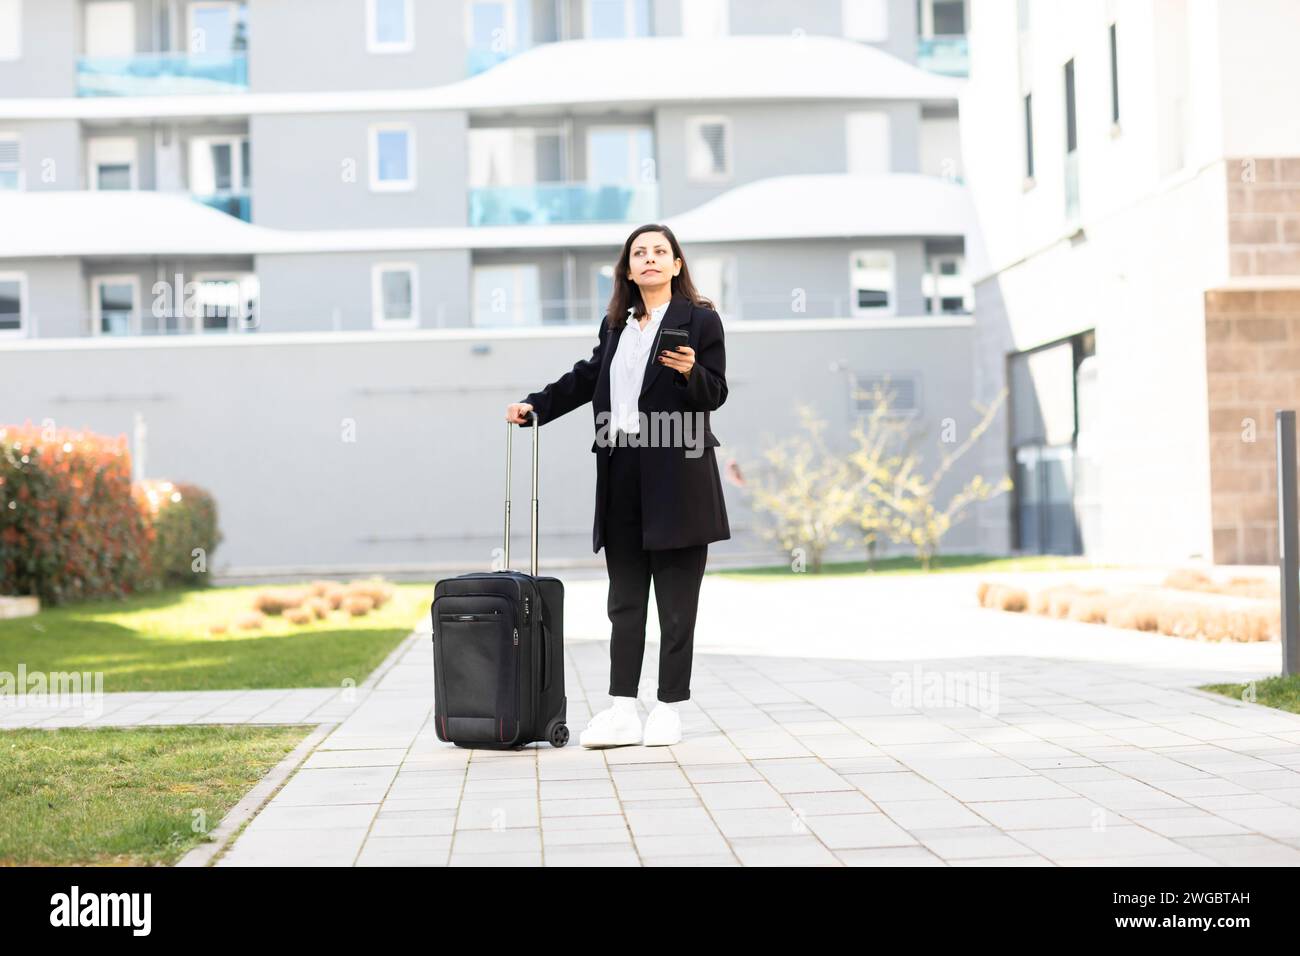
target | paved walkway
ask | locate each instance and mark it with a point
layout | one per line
(836, 721)
(814, 736)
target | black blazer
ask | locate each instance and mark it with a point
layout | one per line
(681, 496)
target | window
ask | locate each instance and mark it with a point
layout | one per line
(944, 286)
(392, 157)
(493, 26)
(602, 283)
(715, 277)
(112, 163)
(1071, 132)
(866, 20)
(13, 303)
(949, 17)
(505, 156)
(899, 390)
(872, 278)
(617, 19)
(708, 148)
(618, 155)
(218, 27)
(11, 167)
(109, 28)
(705, 18)
(868, 143)
(388, 26)
(114, 304)
(1029, 137)
(1114, 77)
(218, 164)
(1071, 147)
(11, 29)
(394, 296)
(225, 303)
(507, 295)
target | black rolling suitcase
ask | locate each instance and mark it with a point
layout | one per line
(498, 650)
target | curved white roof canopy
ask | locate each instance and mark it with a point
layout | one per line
(827, 206)
(573, 74)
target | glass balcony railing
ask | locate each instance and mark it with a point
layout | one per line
(481, 58)
(231, 203)
(162, 74)
(546, 203)
(948, 55)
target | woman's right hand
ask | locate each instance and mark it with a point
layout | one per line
(517, 412)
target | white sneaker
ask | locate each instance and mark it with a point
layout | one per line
(663, 727)
(613, 727)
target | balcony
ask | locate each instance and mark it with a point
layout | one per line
(549, 203)
(231, 203)
(162, 74)
(482, 58)
(948, 55)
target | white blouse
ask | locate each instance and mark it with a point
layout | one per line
(627, 372)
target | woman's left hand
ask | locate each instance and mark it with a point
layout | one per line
(682, 359)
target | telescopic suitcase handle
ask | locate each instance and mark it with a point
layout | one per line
(532, 524)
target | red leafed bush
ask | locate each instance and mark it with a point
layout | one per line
(70, 527)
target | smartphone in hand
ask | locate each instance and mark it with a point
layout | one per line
(671, 338)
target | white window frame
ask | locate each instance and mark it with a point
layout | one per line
(238, 174)
(6, 135)
(374, 44)
(21, 279)
(933, 282)
(97, 306)
(377, 317)
(693, 124)
(109, 144)
(17, 7)
(891, 308)
(242, 279)
(392, 186)
(629, 14)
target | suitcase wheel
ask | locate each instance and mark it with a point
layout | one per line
(559, 735)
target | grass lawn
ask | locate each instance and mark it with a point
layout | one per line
(137, 796)
(909, 565)
(1280, 692)
(161, 642)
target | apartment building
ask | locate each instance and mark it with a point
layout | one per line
(211, 166)
(1140, 299)
(245, 234)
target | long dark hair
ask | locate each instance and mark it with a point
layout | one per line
(627, 294)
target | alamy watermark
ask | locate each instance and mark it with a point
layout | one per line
(53, 689)
(942, 688)
(654, 430)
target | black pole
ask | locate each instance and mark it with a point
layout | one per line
(1288, 559)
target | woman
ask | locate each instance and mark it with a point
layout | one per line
(658, 496)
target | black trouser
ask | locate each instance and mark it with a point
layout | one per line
(677, 573)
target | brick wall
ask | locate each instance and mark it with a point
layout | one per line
(1252, 356)
(1264, 216)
